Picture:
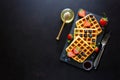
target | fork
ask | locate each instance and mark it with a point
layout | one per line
(103, 43)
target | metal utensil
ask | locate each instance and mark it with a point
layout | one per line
(104, 41)
(67, 16)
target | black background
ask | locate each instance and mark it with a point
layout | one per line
(29, 50)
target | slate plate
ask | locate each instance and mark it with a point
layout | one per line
(92, 57)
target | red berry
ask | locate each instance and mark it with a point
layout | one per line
(87, 24)
(70, 54)
(103, 21)
(81, 13)
(96, 49)
(69, 36)
(76, 50)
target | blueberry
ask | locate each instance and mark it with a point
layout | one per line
(79, 56)
(93, 40)
(91, 16)
(81, 35)
(90, 35)
(92, 19)
(85, 31)
(90, 31)
(83, 54)
(85, 35)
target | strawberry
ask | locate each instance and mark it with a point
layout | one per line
(87, 24)
(96, 49)
(76, 50)
(81, 13)
(103, 21)
(69, 37)
(70, 54)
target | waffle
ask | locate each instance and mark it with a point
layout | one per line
(93, 21)
(85, 49)
(89, 35)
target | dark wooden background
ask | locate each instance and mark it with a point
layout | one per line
(29, 51)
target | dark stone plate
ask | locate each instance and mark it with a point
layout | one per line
(92, 57)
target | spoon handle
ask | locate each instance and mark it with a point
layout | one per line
(58, 36)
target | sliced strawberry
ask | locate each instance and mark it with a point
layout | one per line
(70, 54)
(76, 50)
(87, 24)
(69, 37)
(103, 21)
(81, 13)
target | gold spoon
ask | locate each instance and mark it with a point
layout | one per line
(67, 16)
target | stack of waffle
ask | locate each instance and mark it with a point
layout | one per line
(85, 37)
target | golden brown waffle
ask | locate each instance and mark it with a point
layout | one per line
(93, 21)
(87, 34)
(85, 49)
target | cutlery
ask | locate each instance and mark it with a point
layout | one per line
(67, 16)
(103, 43)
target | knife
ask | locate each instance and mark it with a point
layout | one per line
(103, 43)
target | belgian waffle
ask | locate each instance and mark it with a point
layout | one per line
(94, 23)
(87, 34)
(85, 49)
